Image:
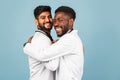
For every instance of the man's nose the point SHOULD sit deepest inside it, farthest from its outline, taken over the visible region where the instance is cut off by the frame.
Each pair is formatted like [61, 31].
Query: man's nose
[47, 19]
[55, 23]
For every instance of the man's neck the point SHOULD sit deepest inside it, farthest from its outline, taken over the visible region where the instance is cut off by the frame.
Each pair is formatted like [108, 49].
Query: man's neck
[48, 32]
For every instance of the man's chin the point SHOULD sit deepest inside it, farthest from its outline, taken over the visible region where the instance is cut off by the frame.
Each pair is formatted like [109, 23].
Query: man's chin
[48, 28]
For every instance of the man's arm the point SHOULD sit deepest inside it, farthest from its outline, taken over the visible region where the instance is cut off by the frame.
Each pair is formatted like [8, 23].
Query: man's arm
[62, 47]
[51, 64]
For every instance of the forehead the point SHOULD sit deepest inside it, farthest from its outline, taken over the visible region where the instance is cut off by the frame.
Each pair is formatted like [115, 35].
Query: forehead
[61, 15]
[46, 13]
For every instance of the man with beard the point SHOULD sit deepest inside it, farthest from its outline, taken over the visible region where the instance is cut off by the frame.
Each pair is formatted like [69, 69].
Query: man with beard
[42, 70]
[69, 47]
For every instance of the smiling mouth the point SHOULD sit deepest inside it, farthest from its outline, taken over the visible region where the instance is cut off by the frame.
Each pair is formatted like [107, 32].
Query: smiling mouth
[58, 29]
[47, 25]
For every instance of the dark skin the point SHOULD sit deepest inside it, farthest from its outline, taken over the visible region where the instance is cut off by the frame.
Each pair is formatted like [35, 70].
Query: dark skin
[30, 39]
[62, 23]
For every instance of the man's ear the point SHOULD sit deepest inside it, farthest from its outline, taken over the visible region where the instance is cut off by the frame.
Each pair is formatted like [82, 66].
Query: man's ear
[71, 21]
[36, 22]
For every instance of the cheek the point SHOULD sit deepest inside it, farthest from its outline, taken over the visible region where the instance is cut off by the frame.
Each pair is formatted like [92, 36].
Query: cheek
[41, 21]
[51, 20]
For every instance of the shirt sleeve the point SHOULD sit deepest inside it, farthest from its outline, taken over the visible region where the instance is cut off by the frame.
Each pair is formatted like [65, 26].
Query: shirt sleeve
[62, 47]
[52, 64]
[40, 41]
[49, 64]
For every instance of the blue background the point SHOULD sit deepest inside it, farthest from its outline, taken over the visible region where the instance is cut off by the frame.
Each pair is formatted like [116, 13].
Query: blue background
[98, 22]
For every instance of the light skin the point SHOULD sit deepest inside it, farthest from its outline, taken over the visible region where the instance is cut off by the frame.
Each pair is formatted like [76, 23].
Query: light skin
[43, 22]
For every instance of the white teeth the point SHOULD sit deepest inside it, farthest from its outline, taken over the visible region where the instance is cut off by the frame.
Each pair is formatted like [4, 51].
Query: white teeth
[47, 24]
[58, 28]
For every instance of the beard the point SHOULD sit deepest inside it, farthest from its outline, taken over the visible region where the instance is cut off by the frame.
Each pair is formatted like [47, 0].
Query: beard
[43, 28]
[63, 31]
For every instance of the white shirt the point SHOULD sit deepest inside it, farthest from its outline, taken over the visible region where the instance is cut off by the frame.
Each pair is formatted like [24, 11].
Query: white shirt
[69, 50]
[41, 70]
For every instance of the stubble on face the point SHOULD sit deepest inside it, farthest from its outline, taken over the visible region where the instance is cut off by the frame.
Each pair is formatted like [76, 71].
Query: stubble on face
[61, 23]
[44, 21]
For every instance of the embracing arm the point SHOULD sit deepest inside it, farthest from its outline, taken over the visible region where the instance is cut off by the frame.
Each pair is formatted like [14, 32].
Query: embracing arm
[50, 64]
[62, 47]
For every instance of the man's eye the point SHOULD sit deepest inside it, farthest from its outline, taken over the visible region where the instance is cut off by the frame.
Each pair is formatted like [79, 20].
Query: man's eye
[60, 20]
[42, 17]
[49, 16]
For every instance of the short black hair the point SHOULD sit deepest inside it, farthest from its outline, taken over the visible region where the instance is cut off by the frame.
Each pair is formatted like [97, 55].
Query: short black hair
[68, 10]
[39, 9]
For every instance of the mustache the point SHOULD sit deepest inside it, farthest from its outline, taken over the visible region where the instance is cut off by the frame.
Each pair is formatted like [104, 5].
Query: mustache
[48, 22]
[57, 27]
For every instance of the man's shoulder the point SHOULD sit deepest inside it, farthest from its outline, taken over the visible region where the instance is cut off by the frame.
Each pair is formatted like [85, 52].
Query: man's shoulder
[40, 35]
[72, 33]
[67, 36]
[40, 38]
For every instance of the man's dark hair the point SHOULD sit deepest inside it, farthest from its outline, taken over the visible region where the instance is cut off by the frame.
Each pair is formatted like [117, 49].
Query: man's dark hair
[39, 9]
[69, 11]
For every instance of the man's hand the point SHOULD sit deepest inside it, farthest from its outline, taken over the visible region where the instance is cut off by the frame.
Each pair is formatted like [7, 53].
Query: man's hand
[30, 39]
